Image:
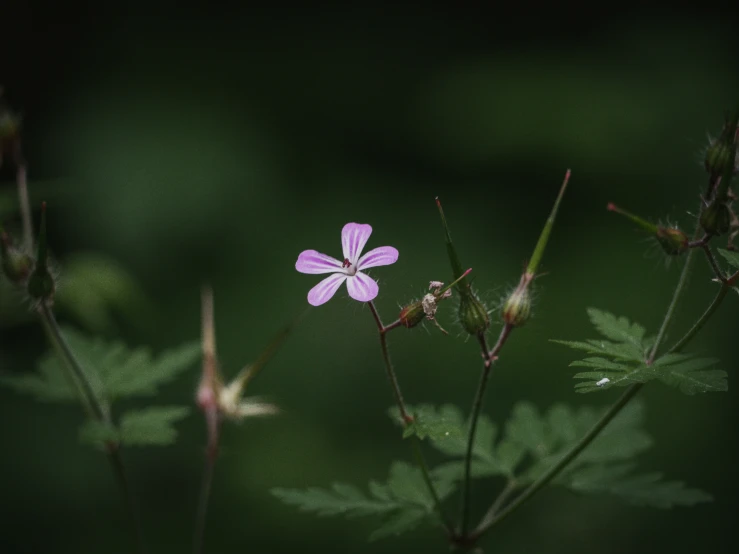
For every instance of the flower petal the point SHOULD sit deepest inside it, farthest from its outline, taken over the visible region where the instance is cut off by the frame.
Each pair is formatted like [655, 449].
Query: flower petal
[323, 291]
[353, 238]
[384, 255]
[311, 261]
[362, 287]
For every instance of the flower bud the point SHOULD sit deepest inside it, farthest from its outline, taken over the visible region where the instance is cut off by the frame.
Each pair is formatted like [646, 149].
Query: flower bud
[716, 218]
[472, 314]
[412, 314]
[16, 264]
[721, 152]
[517, 307]
[673, 241]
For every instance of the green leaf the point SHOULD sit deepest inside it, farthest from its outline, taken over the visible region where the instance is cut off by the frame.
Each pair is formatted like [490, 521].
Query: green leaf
[617, 329]
[113, 370]
[443, 424]
[731, 257]
[623, 363]
[404, 500]
[690, 374]
[52, 383]
[151, 426]
[641, 490]
[98, 433]
[97, 287]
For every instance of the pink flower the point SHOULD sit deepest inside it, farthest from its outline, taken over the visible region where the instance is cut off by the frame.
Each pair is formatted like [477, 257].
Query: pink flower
[360, 286]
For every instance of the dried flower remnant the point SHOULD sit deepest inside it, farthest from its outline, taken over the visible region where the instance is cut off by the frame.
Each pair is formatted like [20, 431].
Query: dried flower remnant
[361, 287]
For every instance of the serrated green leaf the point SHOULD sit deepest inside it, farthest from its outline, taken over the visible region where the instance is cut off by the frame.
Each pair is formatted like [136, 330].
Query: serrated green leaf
[112, 369]
[331, 502]
[618, 329]
[50, 384]
[98, 433]
[622, 439]
[624, 363]
[404, 500]
[690, 374]
[151, 426]
[731, 257]
[527, 428]
[442, 425]
[623, 351]
[640, 490]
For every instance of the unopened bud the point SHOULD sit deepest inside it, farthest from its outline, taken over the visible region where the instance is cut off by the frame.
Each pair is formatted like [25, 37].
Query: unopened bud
[721, 152]
[412, 314]
[673, 241]
[16, 265]
[472, 315]
[716, 218]
[517, 307]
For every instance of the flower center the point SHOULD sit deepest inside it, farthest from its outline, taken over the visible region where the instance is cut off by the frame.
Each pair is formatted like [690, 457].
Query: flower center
[351, 269]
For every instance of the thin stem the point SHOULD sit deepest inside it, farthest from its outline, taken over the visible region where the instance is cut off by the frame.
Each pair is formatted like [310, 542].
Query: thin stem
[407, 419]
[488, 358]
[114, 455]
[714, 264]
[392, 377]
[205, 488]
[80, 376]
[698, 325]
[679, 289]
[492, 519]
[97, 411]
[504, 495]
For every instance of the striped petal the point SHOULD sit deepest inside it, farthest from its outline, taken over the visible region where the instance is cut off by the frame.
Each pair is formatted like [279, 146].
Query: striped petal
[311, 261]
[353, 238]
[384, 255]
[362, 287]
[324, 291]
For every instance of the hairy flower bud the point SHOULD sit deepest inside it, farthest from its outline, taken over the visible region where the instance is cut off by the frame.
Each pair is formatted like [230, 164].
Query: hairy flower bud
[16, 264]
[412, 314]
[716, 218]
[472, 315]
[673, 241]
[517, 307]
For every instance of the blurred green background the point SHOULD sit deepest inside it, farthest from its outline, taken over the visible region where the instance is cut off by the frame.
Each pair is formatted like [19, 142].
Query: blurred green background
[188, 146]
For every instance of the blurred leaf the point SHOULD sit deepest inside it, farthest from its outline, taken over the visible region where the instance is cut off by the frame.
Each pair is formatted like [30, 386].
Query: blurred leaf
[94, 287]
[640, 490]
[731, 257]
[112, 369]
[97, 433]
[404, 500]
[151, 426]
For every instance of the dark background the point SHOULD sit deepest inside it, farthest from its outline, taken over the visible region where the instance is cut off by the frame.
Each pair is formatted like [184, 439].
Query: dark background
[187, 145]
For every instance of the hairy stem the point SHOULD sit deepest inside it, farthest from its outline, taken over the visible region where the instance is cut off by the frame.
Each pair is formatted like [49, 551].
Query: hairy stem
[407, 419]
[713, 263]
[488, 357]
